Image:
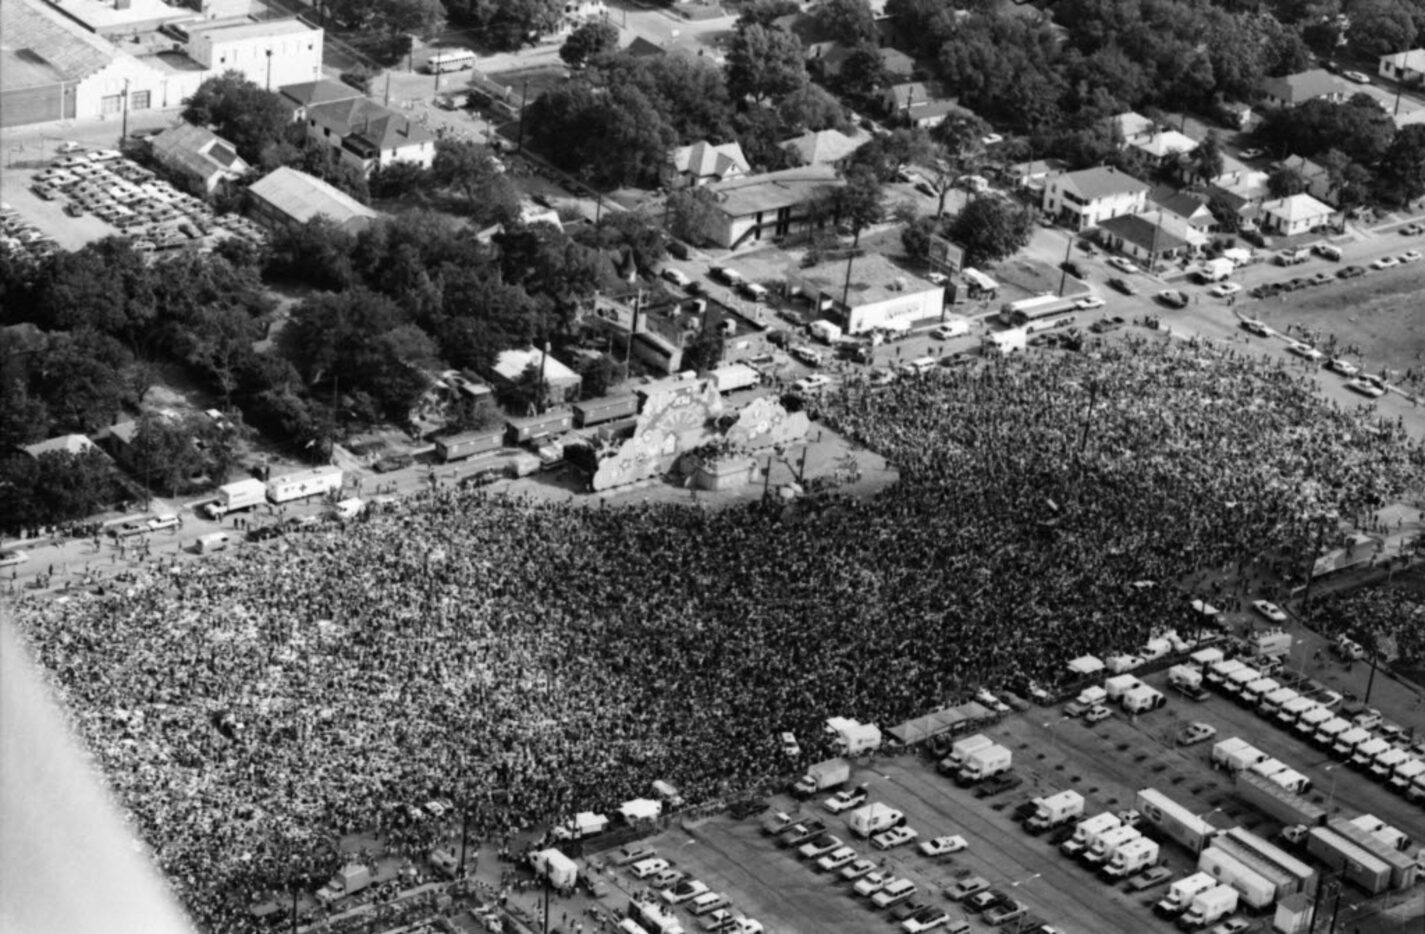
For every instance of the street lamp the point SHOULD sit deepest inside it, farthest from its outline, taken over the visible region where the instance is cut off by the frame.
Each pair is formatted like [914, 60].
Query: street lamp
[1019, 926]
[124, 131]
[269, 69]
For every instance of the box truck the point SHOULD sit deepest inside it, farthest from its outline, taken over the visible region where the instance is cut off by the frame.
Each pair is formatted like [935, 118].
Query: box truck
[1181, 893]
[584, 824]
[1142, 699]
[1405, 773]
[822, 776]
[984, 763]
[1055, 811]
[1187, 681]
[1088, 831]
[1131, 857]
[735, 376]
[349, 880]
[1311, 720]
[1232, 868]
[1119, 685]
[1174, 821]
[235, 497]
[1346, 743]
[1327, 732]
[1292, 781]
[1367, 751]
[1238, 680]
[1292, 709]
[1218, 672]
[1253, 693]
[553, 865]
[1210, 907]
[1235, 754]
[1270, 703]
[1386, 762]
[1267, 767]
[317, 481]
[1005, 342]
[960, 751]
[1203, 658]
[215, 541]
[874, 818]
[1108, 843]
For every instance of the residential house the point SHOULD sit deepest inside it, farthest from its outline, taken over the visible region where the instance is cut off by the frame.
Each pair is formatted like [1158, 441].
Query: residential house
[827, 59]
[1032, 175]
[1316, 176]
[306, 94]
[367, 136]
[642, 48]
[879, 294]
[512, 365]
[530, 213]
[1190, 211]
[823, 147]
[1131, 127]
[1297, 214]
[1405, 67]
[286, 197]
[69, 444]
[1162, 147]
[1146, 237]
[1297, 89]
[1089, 197]
[702, 162]
[773, 204]
[199, 156]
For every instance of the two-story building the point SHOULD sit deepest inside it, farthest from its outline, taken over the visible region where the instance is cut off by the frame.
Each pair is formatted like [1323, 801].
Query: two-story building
[1088, 197]
[367, 135]
[874, 294]
[772, 204]
[1316, 176]
[269, 54]
[702, 163]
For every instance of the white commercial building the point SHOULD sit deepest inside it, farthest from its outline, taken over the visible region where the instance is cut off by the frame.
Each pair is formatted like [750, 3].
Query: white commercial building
[269, 54]
[880, 294]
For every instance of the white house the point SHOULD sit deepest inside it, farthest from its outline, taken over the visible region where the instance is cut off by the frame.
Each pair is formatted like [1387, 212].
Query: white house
[1089, 197]
[769, 205]
[1297, 214]
[703, 162]
[199, 155]
[1405, 67]
[512, 365]
[367, 135]
[1303, 86]
[1163, 146]
[879, 294]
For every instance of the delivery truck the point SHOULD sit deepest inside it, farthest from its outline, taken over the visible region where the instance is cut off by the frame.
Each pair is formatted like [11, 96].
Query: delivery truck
[582, 825]
[1253, 693]
[1235, 754]
[1237, 682]
[733, 377]
[1366, 752]
[1210, 907]
[560, 870]
[1346, 743]
[1087, 833]
[1187, 681]
[1267, 767]
[318, 481]
[874, 818]
[1005, 342]
[1119, 685]
[823, 776]
[1142, 699]
[1327, 732]
[1291, 709]
[1271, 703]
[1174, 821]
[1234, 869]
[1055, 811]
[1407, 774]
[1181, 893]
[960, 751]
[1217, 673]
[604, 410]
[236, 497]
[1203, 658]
[985, 763]
[1310, 720]
[1292, 780]
[349, 880]
[1386, 762]
[1131, 857]
[1108, 843]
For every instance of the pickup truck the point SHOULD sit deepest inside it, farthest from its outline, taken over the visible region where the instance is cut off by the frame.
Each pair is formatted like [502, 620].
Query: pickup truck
[802, 833]
[1004, 781]
[1149, 878]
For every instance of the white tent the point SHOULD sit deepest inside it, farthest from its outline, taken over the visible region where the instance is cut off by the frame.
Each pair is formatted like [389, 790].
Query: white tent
[640, 809]
[1086, 665]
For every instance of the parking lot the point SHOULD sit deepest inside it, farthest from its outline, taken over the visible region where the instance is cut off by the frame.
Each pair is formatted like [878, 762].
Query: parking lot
[1106, 763]
[81, 196]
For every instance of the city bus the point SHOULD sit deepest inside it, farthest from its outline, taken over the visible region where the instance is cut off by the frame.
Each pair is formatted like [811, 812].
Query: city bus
[451, 60]
[1035, 313]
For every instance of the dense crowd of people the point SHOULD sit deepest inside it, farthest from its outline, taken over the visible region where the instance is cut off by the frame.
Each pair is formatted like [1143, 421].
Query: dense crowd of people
[530, 660]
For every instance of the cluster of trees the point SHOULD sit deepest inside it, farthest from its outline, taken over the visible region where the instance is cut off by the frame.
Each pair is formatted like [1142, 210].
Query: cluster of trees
[383, 29]
[1355, 141]
[616, 121]
[990, 228]
[506, 24]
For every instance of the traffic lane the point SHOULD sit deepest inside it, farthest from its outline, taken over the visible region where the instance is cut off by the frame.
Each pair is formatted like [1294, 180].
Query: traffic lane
[1055, 888]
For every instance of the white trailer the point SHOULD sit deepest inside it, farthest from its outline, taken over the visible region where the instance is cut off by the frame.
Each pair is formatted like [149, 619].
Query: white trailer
[551, 864]
[1173, 820]
[1256, 889]
[1119, 685]
[1142, 699]
[986, 763]
[873, 818]
[304, 483]
[1187, 679]
[1131, 857]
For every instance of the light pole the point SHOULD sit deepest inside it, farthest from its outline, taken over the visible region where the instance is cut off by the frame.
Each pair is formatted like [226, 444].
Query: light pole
[1024, 915]
[269, 69]
[124, 130]
[1331, 796]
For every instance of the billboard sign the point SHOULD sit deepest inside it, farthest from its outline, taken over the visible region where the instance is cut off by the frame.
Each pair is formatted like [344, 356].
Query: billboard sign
[945, 256]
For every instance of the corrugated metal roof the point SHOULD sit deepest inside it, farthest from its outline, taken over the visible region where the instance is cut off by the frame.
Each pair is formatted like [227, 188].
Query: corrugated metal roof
[28, 32]
[302, 197]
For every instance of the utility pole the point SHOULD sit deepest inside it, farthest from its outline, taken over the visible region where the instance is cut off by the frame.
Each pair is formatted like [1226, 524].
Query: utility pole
[1064, 269]
[269, 69]
[1321, 521]
[124, 131]
[846, 285]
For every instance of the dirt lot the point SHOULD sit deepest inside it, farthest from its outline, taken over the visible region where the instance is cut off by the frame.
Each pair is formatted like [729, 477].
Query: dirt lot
[1382, 313]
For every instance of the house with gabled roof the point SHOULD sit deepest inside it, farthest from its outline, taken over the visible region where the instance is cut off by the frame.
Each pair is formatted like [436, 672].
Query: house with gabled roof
[1189, 209]
[311, 93]
[68, 444]
[772, 204]
[823, 147]
[703, 162]
[1297, 89]
[1147, 237]
[368, 135]
[199, 155]
[1316, 176]
[1089, 197]
[1405, 67]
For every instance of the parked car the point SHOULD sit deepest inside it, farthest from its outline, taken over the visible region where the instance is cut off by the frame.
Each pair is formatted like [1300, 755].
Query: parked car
[1366, 388]
[943, 846]
[1270, 610]
[894, 837]
[1105, 325]
[1253, 326]
[1196, 732]
[1342, 366]
[1410, 256]
[846, 800]
[836, 859]
[684, 891]
[1385, 262]
[13, 556]
[967, 888]
[1357, 76]
[1096, 713]
[1122, 286]
[1224, 289]
[1173, 298]
[1350, 272]
[677, 277]
[811, 385]
[1121, 264]
[1089, 303]
[857, 869]
[984, 901]
[807, 355]
[1305, 351]
[1006, 911]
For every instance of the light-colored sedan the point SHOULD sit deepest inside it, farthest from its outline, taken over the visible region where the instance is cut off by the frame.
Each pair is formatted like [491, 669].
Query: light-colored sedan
[872, 882]
[1121, 264]
[1305, 351]
[837, 858]
[1366, 388]
[13, 557]
[1224, 289]
[1359, 77]
[683, 891]
[1410, 256]
[1343, 366]
[857, 869]
[1270, 610]
[942, 846]
[1096, 713]
[819, 847]
[1089, 303]
[894, 837]
[1385, 262]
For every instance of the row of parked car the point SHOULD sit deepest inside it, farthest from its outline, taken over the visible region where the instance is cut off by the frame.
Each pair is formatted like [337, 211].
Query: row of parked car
[135, 201]
[675, 888]
[22, 240]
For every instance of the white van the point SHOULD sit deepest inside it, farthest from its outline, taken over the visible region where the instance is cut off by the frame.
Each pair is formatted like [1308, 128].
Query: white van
[1327, 250]
[919, 365]
[752, 290]
[217, 541]
[349, 508]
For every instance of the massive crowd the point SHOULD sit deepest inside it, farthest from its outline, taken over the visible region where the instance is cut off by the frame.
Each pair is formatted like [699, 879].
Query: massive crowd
[533, 660]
